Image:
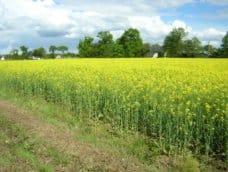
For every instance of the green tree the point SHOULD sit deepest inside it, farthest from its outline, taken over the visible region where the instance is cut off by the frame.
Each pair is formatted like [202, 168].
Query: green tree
[132, 43]
[14, 54]
[210, 50]
[52, 50]
[86, 47]
[105, 45]
[62, 48]
[39, 52]
[118, 50]
[24, 51]
[146, 50]
[191, 47]
[173, 42]
[219, 53]
[188, 48]
[225, 45]
[197, 45]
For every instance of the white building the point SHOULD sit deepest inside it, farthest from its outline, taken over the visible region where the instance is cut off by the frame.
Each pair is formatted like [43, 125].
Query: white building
[155, 55]
[35, 58]
[58, 57]
[2, 58]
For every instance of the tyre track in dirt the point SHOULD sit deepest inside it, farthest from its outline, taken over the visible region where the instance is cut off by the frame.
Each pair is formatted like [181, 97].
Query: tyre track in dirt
[63, 140]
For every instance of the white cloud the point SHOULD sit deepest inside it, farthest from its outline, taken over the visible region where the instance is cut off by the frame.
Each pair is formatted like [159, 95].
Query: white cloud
[218, 2]
[152, 28]
[179, 23]
[172, 3]
[128, 5]
[210, 35]
[43, 10]
[44, 22]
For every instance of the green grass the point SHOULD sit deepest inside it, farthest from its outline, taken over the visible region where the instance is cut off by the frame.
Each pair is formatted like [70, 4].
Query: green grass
[21, 151]
[87, 131]
[121, 143]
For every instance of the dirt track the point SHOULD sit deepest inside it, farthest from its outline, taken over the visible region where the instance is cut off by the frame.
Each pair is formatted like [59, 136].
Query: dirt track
[63, 139]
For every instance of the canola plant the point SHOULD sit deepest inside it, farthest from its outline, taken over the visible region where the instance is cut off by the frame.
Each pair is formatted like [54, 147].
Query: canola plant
[181, 103]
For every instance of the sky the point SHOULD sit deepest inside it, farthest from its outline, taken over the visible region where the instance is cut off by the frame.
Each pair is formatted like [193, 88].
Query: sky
[41, 23]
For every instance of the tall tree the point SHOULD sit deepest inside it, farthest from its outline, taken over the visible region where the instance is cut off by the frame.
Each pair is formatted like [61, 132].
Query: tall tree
[52, 50]
[24, 51]
[188, 48]
[62, 48]
[210, 50]
[146, 50]
[191, 47]
[174, 41]
[118, 50]
[225, 45]
[14, 54]
[39, 52]
[132, 43]
[197, 45]
[105, 45]
[86, 47]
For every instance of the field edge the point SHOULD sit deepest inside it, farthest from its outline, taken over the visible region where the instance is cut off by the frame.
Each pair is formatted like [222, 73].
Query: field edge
[121, 139]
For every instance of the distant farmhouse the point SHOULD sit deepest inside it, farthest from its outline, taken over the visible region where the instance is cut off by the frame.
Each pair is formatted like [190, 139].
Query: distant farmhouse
[3, 58]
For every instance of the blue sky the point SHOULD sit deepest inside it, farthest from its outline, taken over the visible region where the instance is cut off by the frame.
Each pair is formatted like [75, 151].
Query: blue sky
[37, 23]
[200, 15]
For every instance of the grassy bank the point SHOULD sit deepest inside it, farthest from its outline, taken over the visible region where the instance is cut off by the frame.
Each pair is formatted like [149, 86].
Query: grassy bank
[123, 144]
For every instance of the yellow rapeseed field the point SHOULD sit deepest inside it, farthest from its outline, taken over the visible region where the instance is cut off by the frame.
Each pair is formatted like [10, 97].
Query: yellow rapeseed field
[180, 102]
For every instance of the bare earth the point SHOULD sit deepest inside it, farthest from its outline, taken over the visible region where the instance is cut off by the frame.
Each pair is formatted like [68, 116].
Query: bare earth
[64, 141]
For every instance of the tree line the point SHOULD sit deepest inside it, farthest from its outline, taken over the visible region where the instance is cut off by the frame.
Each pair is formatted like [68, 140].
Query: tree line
[41, 52]
[129, 44]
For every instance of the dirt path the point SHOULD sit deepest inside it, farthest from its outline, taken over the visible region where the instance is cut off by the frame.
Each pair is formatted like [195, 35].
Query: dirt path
[64, 141]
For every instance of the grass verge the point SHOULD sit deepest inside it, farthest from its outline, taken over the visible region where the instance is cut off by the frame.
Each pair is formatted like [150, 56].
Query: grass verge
[23, 151]
[120, 143]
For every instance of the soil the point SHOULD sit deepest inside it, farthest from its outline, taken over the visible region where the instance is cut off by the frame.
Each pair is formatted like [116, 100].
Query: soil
[63, 140]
